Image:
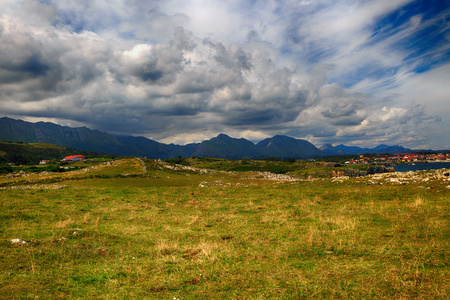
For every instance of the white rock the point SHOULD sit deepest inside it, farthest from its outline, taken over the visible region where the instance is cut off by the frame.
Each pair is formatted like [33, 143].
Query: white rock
[15, 241]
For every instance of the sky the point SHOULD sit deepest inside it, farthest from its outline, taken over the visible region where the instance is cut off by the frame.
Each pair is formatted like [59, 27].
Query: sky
[350, 72]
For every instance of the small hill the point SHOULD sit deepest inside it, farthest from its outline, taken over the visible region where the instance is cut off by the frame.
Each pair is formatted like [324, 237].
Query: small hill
[31, 154]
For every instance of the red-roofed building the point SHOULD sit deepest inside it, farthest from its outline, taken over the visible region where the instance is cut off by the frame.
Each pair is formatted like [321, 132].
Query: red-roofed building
[74, 158]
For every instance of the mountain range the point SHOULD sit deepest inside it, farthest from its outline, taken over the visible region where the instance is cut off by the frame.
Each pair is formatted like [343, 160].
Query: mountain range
[328, 149]
[222, 146]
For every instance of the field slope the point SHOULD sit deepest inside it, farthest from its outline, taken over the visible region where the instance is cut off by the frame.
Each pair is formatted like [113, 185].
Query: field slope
[146, 229]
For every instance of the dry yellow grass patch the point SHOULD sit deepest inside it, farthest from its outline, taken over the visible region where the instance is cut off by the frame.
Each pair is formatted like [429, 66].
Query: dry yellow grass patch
[311, 236]
[86, 217]
[418, 201]
[194, 220]
[206, 251]
[165, 246]
[339, 222]
[63, 224]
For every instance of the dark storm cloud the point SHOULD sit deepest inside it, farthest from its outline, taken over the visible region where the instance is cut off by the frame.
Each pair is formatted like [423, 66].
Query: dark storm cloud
[32, 65]
[342, 108]
[256, 118]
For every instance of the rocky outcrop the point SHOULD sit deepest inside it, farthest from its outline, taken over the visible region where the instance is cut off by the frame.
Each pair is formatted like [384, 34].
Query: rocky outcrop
[380, 169]
[359, 173]
[442, 175]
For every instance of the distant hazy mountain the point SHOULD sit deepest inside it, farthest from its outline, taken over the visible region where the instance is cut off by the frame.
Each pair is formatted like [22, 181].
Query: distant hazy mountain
[391, 149]
[222, 146]
[328, 149]
[354, 150]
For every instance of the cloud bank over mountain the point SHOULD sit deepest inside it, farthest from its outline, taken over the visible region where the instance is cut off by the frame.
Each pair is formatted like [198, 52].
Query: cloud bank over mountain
[364, 72]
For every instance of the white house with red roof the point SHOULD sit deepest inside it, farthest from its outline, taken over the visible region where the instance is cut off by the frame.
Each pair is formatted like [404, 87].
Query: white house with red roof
[73, 158]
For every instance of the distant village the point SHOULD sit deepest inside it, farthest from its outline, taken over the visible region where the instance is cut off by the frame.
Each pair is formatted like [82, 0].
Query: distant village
[401, 158]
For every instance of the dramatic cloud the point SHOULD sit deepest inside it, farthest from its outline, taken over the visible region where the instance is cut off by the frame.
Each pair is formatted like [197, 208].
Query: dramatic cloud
[353, 72]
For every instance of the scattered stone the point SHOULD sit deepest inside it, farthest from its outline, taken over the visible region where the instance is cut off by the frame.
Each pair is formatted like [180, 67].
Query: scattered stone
[279, 177]
[177, 167]
[215, 183]
[17, 241]
[144, 166]
[35, 186]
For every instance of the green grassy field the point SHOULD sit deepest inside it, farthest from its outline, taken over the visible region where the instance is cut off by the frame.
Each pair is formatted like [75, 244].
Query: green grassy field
[136, 229]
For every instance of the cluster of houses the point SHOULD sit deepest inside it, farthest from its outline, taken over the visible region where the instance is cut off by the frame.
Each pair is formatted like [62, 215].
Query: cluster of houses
[67, 159]
[400, 158]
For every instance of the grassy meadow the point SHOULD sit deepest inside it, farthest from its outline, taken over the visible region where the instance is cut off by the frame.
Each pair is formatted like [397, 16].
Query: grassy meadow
[143, 229]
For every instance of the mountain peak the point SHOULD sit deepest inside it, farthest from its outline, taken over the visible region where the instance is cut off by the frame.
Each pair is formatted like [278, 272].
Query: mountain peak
[326, 146]
[224, 146]
[283, 137]
[223, 136]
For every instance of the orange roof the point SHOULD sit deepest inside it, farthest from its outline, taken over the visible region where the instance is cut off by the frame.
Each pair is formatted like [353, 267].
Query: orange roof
[74, 156]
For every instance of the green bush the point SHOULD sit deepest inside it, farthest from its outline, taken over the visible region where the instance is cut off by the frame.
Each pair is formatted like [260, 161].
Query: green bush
[277, 170]
[53, 168]
[4, 168]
